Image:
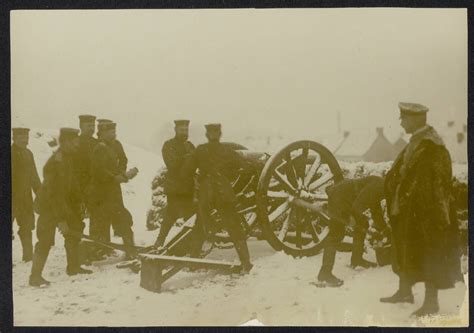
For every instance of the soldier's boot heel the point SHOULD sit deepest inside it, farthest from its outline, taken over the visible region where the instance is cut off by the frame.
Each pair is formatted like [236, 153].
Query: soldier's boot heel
[430, 303]
[39, 261]
[327, 279]
[38, 281]
[244, 256]
[399, 297]
[361, 262]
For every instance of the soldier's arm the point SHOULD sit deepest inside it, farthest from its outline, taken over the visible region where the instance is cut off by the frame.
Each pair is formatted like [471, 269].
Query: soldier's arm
[363, 202]
[35, 179]
[123, 160]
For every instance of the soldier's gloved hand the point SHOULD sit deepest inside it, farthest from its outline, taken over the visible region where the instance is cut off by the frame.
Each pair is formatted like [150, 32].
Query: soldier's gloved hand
[120, 179]
[63, 228]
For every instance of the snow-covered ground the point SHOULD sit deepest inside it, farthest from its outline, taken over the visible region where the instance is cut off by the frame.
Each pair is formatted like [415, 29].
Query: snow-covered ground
[277, 292]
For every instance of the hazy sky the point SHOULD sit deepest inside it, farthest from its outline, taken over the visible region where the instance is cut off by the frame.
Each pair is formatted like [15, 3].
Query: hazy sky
[256, 71]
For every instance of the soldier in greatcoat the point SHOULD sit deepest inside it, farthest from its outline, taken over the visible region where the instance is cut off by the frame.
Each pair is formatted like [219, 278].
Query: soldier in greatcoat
[106, 199]
[178, 189]
[424, 226]
[348, 200]
[25, 179]
[215, 161]
[59, 205]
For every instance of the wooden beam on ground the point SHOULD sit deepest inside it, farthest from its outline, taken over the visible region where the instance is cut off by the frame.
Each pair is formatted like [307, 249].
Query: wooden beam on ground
[152, 266]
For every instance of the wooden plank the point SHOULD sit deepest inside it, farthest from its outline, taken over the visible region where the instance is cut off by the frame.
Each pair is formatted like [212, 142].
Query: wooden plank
[188, 262]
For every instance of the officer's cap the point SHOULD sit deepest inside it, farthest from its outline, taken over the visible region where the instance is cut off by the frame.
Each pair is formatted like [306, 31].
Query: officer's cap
[86, 118]
[20, 130]
[181, 122]
[412, 108]
[213, 127]
[67, 133]
[105, 126]
[100, 121]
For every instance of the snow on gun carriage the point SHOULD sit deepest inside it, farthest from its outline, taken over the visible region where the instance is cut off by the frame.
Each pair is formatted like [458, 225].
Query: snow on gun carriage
[285, 199]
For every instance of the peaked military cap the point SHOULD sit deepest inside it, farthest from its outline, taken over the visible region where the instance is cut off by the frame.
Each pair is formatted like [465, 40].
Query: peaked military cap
[100, 121]
[105, 126]
[412, 108]
[181, 122]
[86, 118]
[20, 130]
[67, 133]
[213, 127]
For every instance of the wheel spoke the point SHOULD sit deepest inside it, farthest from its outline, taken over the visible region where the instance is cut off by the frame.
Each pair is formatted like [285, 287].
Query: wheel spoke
[284, 229]
[247, 210]
[290, 171]
[300, 164]
[294, 217]
[284, 181]
[274, 194]
[321, 181]
[279, 211]
[312, 170]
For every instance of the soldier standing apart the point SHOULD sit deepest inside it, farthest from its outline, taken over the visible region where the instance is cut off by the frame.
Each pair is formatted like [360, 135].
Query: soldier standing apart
[59, 205]
[214, 162]
[424, 229]
[347, 202]
[106, 199]
[178, 189]
[24, 179]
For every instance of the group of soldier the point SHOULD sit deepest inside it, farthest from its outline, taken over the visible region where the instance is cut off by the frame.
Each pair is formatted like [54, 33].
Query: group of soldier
[82, 178]
[85, 175]
[210, 189]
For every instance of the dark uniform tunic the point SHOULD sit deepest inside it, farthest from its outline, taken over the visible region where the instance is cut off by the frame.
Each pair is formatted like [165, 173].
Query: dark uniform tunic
[178, 189]
[59, 201]
[24, 179]
[424, 224]
[122, 157]
[84, 156]
[105, 196]
[216, 163]
[352, 197]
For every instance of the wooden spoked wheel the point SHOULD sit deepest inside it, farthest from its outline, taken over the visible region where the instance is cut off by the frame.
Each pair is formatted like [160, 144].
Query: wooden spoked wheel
[302, 171]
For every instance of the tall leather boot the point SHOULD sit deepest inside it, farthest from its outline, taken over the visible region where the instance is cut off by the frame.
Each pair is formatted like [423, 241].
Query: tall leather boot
[357, 259]
[26, 244]
[325, 276]
[72, 256]
[128, 239]
[430, 304]
[402, 295]
[244, 256]
[39, 260]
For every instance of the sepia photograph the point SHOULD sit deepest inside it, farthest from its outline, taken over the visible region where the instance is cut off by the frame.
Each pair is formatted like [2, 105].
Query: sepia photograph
[229, 167]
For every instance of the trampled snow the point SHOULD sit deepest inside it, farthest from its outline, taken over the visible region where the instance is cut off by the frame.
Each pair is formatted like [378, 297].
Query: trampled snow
[276, 292]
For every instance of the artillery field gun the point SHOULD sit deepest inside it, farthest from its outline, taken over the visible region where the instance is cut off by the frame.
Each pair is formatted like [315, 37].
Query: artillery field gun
[285, 198]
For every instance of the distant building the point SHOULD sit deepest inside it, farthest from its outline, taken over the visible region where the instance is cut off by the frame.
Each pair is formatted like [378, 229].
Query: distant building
[368, 147]
[399, 144]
